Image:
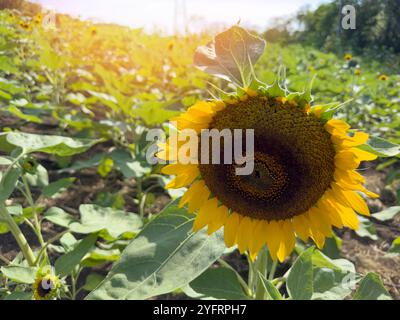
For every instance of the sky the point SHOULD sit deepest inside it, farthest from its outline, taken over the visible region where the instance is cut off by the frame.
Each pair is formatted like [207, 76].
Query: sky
[172, 15]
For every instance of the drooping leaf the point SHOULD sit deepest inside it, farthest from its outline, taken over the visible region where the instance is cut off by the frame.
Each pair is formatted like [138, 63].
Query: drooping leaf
[231, 55]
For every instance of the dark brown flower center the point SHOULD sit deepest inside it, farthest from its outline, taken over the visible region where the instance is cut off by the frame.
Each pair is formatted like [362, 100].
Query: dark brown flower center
[293, 160]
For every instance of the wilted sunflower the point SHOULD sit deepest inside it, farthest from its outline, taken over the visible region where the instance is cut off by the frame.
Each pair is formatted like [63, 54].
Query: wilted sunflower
[46, 287]
[304, 180]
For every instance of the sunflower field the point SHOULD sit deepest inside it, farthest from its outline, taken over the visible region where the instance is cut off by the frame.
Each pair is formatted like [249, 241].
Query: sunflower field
[84, 214]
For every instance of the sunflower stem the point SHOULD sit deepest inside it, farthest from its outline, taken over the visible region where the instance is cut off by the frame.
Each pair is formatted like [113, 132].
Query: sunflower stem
[273, 269]
[260, 266]
[18, 235]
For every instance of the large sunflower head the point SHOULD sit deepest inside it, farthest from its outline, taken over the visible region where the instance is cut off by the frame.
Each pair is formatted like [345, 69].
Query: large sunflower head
[304, 180]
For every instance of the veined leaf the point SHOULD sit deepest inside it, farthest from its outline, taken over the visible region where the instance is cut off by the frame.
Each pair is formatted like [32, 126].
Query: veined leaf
[164, 256]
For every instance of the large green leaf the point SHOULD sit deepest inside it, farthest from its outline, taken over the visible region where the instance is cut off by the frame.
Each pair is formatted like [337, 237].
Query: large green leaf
[20, 274]
[219, 283]
[371, 288]
[300, 279]
[95, 219]
[231, 55]
[57, 145]
[165, 256]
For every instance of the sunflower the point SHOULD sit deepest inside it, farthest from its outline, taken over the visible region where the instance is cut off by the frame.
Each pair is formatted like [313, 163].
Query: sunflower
[383, 77]
[348, 57]
[46, 287]
[304, 180]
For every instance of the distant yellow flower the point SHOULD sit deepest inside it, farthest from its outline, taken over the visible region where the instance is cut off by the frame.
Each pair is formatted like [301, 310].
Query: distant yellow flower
[348, 57]
[357, 72]
[304, 180]
[383, 77]
[311, 69]
[38, 19]
[46, 287]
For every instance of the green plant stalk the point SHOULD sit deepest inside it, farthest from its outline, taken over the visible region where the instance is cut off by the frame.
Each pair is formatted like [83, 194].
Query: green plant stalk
[273, 269]
[250, 277]
[18, 235]
[35, 216]
[260, 266]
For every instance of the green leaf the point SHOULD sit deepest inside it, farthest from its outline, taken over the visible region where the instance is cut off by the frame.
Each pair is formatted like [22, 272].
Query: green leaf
[164, 256]
[8, 183]
[395, 247]
[92, 281]
[60, 217]
[381, 147]
[219, 283]
[231, 55]
[387, 214]
[95, 219]
[333, 279]
[105, 167]
[300, 279]
[155, 112]
[39, 179]
[367, 229]
[271, 291]
[371, 288]
[57, 187]
[20, 274]
[57, 145]
[65, 264]
[19, 295]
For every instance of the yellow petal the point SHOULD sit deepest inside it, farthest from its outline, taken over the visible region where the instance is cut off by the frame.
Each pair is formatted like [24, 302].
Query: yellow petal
[348, 216]
[218, 220]
[358, 139]
[196, 195]
[301, 226]
[326, 205]
[363, 155]
[350, 199]
[205, 214]
[358, 187]
[288, 240]
[245, 232]
[258, 239]
[338, 125]
[231, 229]
[273, 233]
[346, 160]
[319, 218]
